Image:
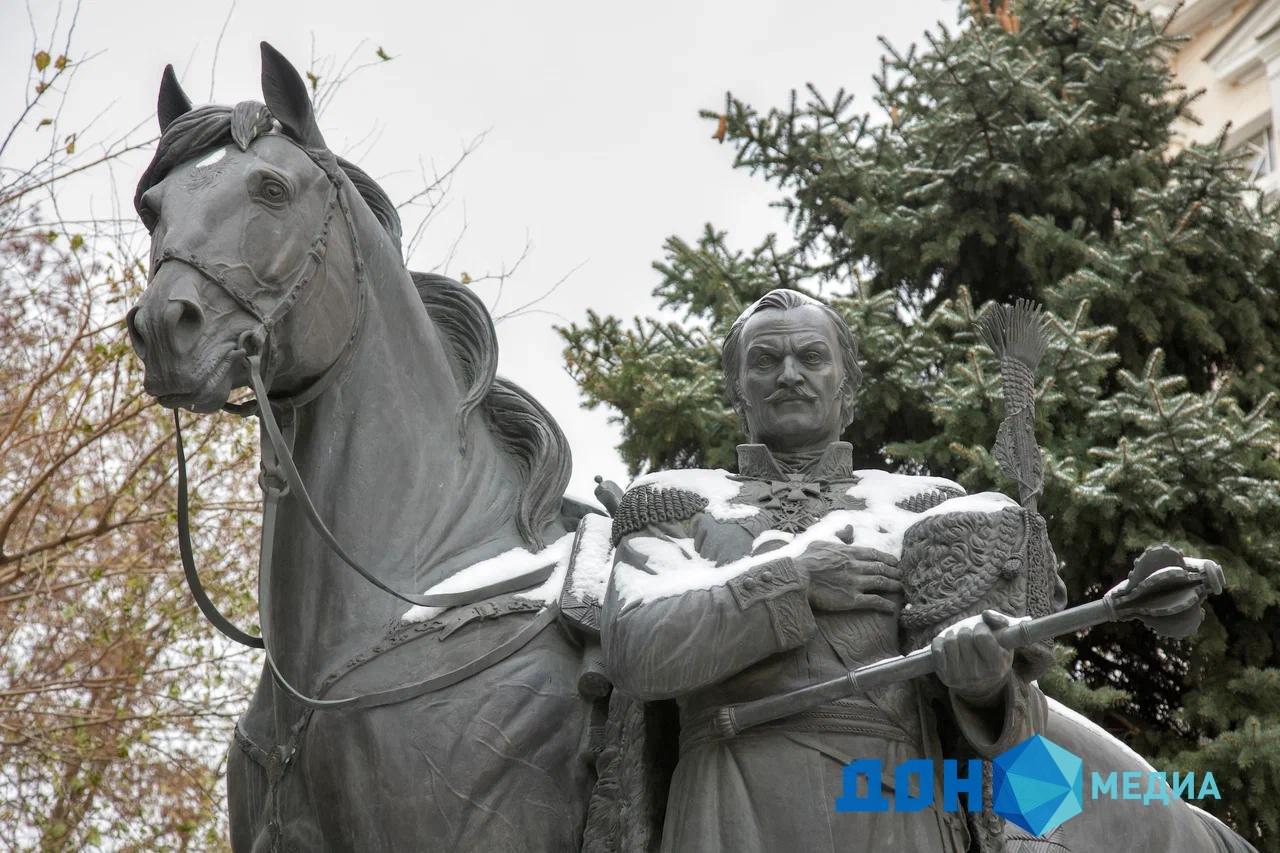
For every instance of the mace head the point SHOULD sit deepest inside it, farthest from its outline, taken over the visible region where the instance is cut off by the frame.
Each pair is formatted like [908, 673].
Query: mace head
[1166, 589]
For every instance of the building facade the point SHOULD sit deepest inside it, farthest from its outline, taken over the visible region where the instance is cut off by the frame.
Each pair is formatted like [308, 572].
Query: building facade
[1233, 54]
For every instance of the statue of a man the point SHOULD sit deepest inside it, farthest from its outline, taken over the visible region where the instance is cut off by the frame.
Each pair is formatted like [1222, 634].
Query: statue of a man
[701, 611]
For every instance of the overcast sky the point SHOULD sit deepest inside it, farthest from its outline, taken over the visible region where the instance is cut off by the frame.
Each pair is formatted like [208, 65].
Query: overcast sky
[594, 150]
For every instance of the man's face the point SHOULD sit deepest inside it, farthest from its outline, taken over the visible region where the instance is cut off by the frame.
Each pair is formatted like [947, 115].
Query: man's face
[791, 374]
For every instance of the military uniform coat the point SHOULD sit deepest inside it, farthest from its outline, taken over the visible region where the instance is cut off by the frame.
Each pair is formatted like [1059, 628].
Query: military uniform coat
[705, 606]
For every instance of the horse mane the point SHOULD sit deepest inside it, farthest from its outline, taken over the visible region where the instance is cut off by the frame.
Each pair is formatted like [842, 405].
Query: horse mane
[522, 426]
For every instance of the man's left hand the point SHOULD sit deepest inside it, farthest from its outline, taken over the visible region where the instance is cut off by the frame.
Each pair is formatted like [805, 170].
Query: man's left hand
[970, 662]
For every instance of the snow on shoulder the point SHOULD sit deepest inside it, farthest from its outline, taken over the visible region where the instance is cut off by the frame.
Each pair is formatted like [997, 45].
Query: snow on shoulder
[883, 523]
[673, 567]
[714, 484]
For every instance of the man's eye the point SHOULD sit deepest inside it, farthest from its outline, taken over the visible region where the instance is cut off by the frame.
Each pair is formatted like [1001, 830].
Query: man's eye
[813, 358]
[765, 361]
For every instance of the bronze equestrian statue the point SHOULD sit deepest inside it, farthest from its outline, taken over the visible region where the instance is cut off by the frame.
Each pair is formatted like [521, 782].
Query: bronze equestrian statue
[442, 629]
[418, 692]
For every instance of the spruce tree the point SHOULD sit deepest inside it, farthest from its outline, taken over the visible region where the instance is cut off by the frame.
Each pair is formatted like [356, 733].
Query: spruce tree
[1027, 152]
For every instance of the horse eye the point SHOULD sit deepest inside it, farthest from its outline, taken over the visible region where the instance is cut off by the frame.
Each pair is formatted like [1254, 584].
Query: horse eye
[272, 191]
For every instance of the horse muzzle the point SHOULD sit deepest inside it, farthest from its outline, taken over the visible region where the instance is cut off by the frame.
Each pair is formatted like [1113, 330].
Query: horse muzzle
[189, 364]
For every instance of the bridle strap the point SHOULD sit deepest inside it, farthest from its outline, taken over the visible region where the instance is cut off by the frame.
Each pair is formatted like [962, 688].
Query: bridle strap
[269, 317]
[207, 607]
[319, 250]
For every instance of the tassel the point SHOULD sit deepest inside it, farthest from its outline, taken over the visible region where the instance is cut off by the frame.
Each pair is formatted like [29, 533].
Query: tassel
[1016, 331]
[1016, 334]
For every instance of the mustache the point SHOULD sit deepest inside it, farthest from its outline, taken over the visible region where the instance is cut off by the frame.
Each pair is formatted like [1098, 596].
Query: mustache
[797, 393]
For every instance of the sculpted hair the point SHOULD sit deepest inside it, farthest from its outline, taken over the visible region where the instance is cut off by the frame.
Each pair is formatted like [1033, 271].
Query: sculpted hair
[522, 426]
[782, 300]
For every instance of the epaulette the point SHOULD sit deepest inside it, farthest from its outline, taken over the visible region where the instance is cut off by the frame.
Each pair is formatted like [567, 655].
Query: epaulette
[928, 500]
[651, 504]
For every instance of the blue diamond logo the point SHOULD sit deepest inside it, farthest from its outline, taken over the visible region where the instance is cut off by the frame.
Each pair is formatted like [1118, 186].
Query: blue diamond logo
[1038, 785]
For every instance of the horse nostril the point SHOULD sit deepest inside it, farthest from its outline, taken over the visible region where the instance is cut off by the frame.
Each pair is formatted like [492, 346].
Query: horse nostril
[184, 320]
[135, 333]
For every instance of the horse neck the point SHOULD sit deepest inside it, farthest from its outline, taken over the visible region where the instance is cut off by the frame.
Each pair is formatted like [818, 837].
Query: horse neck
[380, 455]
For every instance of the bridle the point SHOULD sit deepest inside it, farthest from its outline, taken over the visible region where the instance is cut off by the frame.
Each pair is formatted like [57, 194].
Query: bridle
[279, 475]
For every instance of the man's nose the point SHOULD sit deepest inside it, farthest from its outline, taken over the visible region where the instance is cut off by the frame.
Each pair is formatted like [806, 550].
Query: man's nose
[169, 317]
[791, 375]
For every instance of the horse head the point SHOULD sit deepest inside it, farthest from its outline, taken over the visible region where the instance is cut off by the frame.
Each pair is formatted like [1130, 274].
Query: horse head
[252, 246]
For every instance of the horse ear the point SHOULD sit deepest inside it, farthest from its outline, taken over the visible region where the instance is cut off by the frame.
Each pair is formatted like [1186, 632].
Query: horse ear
[286, 96]
[172, 101]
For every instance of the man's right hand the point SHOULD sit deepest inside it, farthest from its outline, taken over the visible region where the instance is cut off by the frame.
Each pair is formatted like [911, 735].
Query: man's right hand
[843, 576]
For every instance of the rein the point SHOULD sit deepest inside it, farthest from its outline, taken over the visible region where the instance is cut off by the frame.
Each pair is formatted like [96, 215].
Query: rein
[280, 478]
